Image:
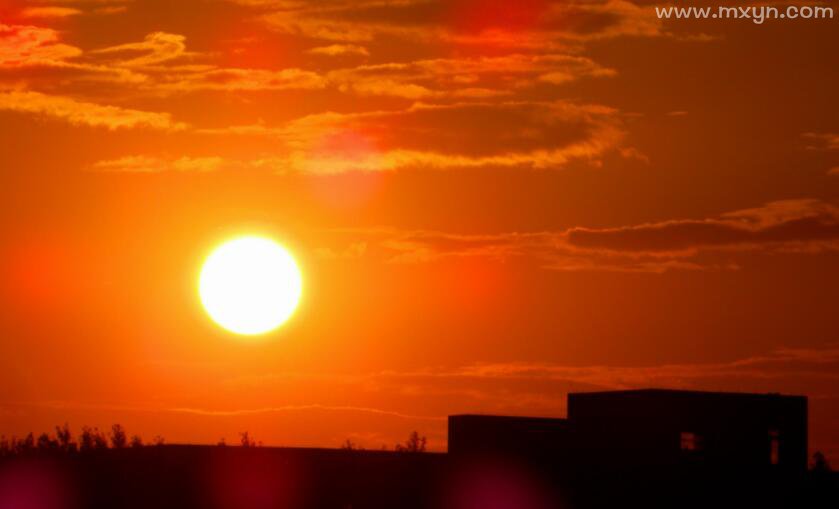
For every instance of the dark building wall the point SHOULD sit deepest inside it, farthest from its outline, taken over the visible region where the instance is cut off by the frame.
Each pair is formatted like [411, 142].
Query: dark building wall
[727, 429]
[625, 429]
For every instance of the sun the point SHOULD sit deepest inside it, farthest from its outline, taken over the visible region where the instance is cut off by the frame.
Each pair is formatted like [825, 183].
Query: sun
[250, 285]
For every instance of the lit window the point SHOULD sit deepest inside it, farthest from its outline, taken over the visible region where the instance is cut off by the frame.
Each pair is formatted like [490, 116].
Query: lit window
[690, 441]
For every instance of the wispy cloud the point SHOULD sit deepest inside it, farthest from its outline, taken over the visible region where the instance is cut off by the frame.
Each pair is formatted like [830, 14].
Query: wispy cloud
[168, 68]
[146, 164]
[50, 12]
[802, 226]
[162, 64]
[156, 48]
[515, 387]
[821, 141]
[516, 26]
[26, 48]
[85, 113]
[546, 135]
[335, 50]
[33, 46]
[784, 363]
[236, 79]
[464, 77]
[303, 408]
[779, 223]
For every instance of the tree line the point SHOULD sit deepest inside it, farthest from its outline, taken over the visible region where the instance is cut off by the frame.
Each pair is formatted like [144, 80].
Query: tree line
[63, 441]
[93, 439]
[414, 443]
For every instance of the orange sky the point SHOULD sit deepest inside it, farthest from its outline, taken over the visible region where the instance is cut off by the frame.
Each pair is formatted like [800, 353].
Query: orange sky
[494, 203]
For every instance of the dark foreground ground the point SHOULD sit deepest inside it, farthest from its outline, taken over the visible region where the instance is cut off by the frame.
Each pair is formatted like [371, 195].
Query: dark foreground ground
[187, 477]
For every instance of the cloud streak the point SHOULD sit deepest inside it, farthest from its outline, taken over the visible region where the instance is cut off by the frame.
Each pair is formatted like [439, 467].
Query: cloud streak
[821, 141]
[547, 135]
[85, 113]
[146, 164]
[513, 386]
[802, 226]
[22, 46]
[304, 408]
[156, 48]
[464, 77]
[335, 50]
[778, 223]
[460, 21]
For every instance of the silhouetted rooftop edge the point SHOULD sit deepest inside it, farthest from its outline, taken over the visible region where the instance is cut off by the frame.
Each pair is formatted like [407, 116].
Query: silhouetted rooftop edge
[654, 390]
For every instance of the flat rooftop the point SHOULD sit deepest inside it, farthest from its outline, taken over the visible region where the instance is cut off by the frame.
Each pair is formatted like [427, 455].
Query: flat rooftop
[689, 393]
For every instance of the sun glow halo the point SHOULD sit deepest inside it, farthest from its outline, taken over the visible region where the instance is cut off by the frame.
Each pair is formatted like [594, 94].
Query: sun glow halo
[250, 285]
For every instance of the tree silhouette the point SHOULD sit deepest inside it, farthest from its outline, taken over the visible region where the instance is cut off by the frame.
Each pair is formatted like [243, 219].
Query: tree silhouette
[415, 443]
[100, 441]
[25, 446]
[47, 444]
[119, 440]
[92, 439]
[86, 439]
[65, 438]
[247, 441]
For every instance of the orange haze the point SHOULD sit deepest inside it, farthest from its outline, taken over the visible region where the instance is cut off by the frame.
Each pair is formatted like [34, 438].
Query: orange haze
[493, 203]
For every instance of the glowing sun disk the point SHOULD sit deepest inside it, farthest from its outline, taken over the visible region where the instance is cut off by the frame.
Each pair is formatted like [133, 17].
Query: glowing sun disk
[250, 285]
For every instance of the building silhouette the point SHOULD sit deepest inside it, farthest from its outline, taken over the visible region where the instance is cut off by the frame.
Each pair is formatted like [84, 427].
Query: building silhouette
[649, 428]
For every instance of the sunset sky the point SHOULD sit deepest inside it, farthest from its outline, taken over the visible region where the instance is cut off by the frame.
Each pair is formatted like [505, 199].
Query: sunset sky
[492, 204]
